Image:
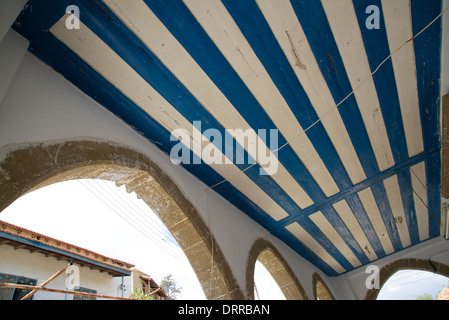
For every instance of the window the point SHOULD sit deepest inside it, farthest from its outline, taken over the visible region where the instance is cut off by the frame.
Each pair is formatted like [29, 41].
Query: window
[11, 293]
[82, 289]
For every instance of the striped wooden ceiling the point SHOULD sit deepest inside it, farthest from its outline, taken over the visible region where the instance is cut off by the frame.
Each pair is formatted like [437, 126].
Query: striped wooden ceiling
[354, 101]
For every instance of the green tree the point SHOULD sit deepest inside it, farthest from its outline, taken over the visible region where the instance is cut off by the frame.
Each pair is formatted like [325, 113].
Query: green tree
[425, 296]
[428, 296]
[170, 286]
[138, 294]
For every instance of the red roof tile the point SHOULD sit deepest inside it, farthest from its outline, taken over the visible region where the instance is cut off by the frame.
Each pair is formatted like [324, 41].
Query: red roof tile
[61, 245]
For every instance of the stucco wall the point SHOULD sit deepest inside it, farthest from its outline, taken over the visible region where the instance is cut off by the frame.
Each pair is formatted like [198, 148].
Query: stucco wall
[34, 265]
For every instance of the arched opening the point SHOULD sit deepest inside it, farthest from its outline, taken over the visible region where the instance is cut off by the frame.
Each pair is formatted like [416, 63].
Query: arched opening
[100, 216]
[413, 285]
[265, 286]
[406, 264]
[320, 289]
[266, 254]
[30, 167]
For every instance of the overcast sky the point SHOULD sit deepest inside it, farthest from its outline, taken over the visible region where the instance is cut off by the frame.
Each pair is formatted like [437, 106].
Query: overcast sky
[101, 217]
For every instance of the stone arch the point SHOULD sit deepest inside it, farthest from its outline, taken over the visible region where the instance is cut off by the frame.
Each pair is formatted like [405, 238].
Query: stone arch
[320, 289]
[32, 166]
[408, 263]
[270, 257]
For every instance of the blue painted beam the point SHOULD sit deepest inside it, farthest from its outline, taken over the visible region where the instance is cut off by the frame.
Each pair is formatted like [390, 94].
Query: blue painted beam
[357, 187]
[428, 48]
[323, 45]
[258, 33]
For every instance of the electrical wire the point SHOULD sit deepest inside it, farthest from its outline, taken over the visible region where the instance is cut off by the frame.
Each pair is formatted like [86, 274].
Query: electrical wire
[160, 234]
[256, 292]
[155, 239]
[415, 273]
[411, 282]
[146, 231]
[116, 205]
[153, 222]
[325, 115]
[87, 183]
[410, 184]
[149, 218]
[344, 99]
[212, 243]
[115, 209]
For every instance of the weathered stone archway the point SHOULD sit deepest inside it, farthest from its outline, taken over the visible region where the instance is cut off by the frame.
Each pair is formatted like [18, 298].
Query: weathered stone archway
[270, 257]
[320, 289]
[31, 166]
[408, 263]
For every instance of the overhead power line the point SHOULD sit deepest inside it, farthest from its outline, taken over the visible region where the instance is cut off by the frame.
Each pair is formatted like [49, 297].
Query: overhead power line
[153, 226]
[117, 207]
[154, 221]
[411, 282]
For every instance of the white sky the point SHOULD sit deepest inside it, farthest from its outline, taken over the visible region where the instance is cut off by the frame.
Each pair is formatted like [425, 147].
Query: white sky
[408, 284]
[91, 214]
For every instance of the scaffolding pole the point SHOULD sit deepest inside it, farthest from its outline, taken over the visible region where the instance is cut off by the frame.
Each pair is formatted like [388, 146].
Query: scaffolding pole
[85, 294]
[36, 289]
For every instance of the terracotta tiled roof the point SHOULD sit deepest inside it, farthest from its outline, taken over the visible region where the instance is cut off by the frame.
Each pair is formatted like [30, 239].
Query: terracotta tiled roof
[153, 283]
[444, 294]
[39, 242]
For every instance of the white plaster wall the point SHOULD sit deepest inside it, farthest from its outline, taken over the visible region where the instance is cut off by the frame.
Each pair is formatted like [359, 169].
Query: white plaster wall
[12, 50]
[40, 105]
[34, 265]
[127, 286]
[9, 10]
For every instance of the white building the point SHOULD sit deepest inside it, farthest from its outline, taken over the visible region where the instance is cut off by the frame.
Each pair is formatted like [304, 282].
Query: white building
[30, 258]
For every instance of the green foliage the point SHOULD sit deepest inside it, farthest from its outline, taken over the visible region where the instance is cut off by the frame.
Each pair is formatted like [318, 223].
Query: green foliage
[170, 287]
[428, 296]
[425, 296]
[138, 294]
